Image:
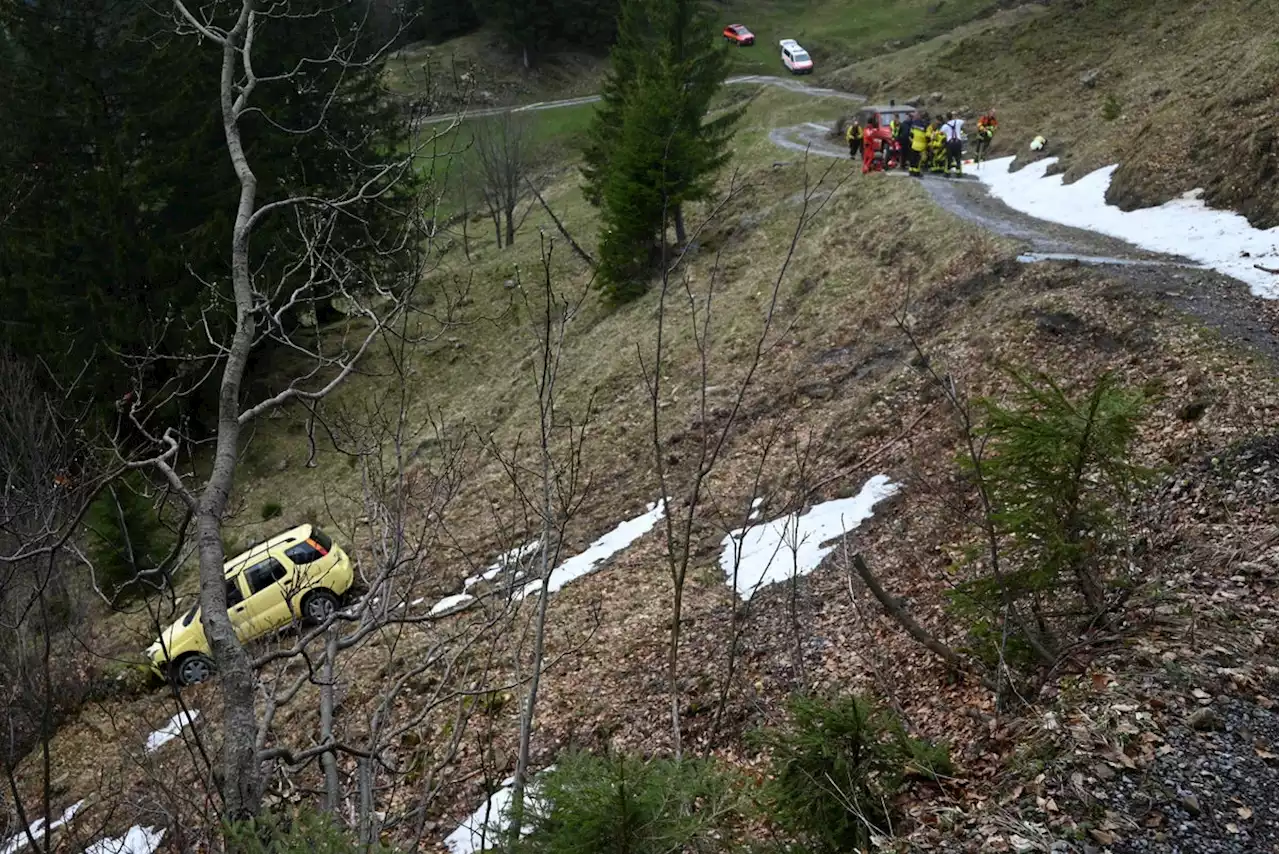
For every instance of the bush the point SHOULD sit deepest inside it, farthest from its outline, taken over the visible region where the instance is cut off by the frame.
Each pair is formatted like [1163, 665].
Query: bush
[1056, 470]
[302, 831]
[623, 804]
[1111, 108]
[837, 767]
[126, 535]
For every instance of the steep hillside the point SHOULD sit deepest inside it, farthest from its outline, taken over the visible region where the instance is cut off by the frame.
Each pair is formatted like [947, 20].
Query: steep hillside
[878, 316]
[1182, 94]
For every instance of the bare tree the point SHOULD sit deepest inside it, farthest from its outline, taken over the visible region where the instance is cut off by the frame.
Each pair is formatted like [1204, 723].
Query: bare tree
[504, 152]
[324, 270]
[679, 300]
[551, 488]
[45, 486]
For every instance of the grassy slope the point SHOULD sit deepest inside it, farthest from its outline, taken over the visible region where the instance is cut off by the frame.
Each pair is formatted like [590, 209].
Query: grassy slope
[836, 301]
[477, 68]
[1193, 83]
[449, 156]
[479, 381]
[837, 32]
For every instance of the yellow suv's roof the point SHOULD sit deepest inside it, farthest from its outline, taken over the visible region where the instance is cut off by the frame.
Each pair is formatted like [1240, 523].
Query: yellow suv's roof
[293, 535]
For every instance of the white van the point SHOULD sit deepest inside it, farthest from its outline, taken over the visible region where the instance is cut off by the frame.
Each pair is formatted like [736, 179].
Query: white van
[795, 58]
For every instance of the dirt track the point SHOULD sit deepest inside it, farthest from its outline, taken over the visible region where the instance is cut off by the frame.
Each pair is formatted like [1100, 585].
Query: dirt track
[790, 84]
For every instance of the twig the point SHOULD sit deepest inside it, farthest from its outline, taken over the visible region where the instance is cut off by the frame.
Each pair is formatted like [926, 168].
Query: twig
[902, 617]
[573, 244]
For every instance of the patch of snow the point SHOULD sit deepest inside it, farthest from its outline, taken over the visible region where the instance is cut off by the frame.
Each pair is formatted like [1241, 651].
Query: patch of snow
[598, 552]
[22, 840]
[171, 730]
[488, 824]
[755, 509]
[451, 603]
[416, 602]
[484, 826]
[504, 561]
[772, 552]
[138, 840]
[1033, 257]
[1221, 240]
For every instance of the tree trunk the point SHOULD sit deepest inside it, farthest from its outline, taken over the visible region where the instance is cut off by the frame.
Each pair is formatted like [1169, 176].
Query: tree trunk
[332, 791]
[367, 830]
[673, 663]
[241, 778]
[546, 402]
[678, 216]
[511, 221]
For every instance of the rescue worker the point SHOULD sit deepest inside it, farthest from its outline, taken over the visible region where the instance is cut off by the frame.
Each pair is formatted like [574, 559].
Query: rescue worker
[937, 156]
[919, 145]
[987, 125]
[869, 134]
[903, 136]
[853, 136]
[953, 143]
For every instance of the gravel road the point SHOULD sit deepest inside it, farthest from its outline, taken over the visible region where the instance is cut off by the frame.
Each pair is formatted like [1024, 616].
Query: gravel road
[1217, 301]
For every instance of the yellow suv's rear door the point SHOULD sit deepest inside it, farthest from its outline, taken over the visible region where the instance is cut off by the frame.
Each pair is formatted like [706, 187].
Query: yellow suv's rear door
[268, 607]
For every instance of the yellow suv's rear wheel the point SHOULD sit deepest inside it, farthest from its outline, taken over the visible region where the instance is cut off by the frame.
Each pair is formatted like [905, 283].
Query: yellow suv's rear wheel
[192, 669]
[318, 606]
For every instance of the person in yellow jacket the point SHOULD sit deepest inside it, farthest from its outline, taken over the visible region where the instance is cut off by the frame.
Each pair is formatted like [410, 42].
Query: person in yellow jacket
[937, 149]
[919, 145]
[853, 136]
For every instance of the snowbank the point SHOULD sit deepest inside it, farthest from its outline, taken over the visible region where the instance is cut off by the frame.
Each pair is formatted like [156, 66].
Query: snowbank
[1185, 226]
[171, 730]
[452, 603]
[506, 560]
[487, 826]
[772, 552]
[22, 840]
[598, 552]
[138, 840]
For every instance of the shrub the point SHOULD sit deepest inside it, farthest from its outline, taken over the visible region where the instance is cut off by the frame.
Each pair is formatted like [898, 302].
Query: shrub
[837, 767]
[622, 803]
[126, 535]
[301, 831]
[271, 510]
[1111, 108]
[1056, 469]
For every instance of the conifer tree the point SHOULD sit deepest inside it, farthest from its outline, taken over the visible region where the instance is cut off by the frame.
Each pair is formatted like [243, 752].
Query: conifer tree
[653, 148]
